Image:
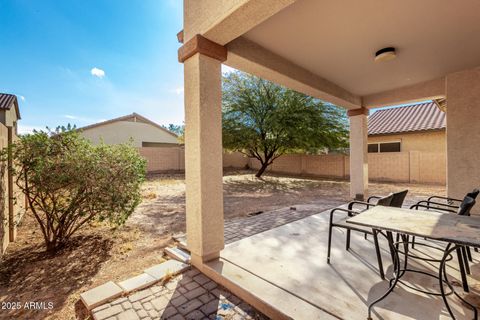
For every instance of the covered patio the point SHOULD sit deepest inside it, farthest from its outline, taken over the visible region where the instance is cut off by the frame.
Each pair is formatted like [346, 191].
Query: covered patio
[285, 269]
[325, 49]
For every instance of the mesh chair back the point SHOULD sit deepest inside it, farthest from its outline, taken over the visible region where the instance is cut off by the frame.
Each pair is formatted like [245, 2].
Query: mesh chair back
[466, 206]
[473, 194]
[398, 198]
[385, 201]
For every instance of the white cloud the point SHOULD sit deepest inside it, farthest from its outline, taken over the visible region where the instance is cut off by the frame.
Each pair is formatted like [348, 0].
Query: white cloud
[70, 117]
[22, 98]
[179, 90]
[96, 72]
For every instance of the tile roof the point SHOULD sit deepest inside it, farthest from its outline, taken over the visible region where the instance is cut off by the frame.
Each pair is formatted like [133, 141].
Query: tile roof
[416, 117]
[6, 102]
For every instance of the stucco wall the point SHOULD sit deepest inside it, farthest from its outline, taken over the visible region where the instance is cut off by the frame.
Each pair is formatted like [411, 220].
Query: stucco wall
[463, 132]
[18, 199]
[122, 131]
[431, 141]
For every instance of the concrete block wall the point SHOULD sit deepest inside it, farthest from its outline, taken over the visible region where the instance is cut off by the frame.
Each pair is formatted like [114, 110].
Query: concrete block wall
[408, 167]
[165, 159]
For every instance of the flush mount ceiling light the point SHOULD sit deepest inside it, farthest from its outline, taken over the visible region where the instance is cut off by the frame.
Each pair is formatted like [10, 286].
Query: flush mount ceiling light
[385, 54]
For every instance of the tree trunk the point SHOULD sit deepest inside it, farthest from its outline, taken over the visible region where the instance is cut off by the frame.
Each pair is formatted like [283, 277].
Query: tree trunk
[51, 246]
[262, 169]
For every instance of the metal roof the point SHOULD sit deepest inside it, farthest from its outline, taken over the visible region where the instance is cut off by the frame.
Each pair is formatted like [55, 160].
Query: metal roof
[411, 118]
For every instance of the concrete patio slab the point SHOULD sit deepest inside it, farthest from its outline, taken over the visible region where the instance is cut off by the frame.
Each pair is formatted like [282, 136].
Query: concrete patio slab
[170, 267]
[178, 254]
[292, 259]
[138, 282]
[101, 294]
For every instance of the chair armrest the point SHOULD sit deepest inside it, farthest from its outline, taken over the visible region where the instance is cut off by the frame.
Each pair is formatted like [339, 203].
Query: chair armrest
[428, 203]
[366, 204]
[350, 213]
[444, 198]
[373, 197]
[416, 206]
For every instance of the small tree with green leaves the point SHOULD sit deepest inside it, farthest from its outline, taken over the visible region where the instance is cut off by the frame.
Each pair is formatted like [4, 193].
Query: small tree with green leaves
[70, 182]
[264, 120]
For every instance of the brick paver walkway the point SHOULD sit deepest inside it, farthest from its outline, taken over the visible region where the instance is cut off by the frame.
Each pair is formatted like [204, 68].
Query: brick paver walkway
[190, 295]
[240, 228]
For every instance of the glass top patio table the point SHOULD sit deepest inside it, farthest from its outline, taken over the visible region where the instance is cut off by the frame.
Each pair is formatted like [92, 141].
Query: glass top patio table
[455, 230]
[452, 228]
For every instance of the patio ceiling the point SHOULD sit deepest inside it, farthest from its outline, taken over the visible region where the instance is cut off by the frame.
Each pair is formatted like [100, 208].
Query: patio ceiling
[337, 42]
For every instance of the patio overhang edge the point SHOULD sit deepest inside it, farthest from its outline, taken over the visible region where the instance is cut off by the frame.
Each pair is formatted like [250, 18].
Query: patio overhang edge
[250, 57]
[223, 22]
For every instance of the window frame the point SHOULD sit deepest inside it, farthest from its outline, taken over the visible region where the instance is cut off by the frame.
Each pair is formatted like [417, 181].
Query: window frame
[385, 142]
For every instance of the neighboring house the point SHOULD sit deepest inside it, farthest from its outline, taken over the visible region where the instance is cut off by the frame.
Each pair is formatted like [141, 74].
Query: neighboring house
[417, 127]
[133, 127]
[12, 201]
[9, 111]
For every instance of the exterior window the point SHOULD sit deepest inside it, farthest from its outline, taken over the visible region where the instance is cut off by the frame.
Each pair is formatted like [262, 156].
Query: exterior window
[384, 147]
[390, 147]
[372, 147]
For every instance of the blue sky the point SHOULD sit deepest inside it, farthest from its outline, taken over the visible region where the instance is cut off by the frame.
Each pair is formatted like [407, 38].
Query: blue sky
[83, 61]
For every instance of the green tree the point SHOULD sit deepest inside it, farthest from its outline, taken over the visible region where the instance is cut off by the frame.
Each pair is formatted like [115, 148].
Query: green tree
[264, 120]
[178, 129]
[69, 182]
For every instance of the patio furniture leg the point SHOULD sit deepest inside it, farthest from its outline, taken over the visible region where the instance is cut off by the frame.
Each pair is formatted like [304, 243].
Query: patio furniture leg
[462, 269]
[347, 242]
[413, 242]
[330, 228]
[469, 253]
[442, 276]
[465, 260]
[379, 255]
[396, 272]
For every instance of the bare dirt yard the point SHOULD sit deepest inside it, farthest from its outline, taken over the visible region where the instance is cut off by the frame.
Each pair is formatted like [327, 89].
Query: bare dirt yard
[100, 253]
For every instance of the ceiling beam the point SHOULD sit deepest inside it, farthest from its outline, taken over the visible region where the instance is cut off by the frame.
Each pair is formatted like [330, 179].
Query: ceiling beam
[428, 90]
[248, 56]
[223, 21]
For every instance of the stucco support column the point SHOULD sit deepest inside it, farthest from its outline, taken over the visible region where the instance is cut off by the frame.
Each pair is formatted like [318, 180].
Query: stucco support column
[203, 148]
[463, 133]
[358, 153]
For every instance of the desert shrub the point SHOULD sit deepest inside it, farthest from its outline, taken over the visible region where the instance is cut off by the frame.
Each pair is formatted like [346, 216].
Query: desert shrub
[69, 182]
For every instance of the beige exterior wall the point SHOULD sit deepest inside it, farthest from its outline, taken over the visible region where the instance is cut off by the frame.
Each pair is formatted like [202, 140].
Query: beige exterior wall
[429, 141]
[122, 131]
[16, 207]
[463, 132]
[173, 159]
[409, 167]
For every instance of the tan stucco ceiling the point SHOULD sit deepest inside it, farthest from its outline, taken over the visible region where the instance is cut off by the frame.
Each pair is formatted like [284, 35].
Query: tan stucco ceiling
[337, 39]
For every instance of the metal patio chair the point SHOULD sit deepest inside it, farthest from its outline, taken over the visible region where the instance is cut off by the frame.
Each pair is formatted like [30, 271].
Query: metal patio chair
[452, 204]
[342, 223]
[462, 253]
